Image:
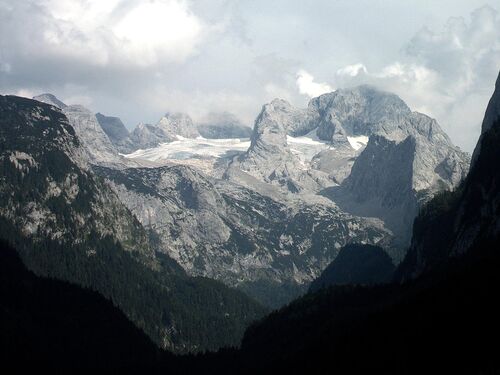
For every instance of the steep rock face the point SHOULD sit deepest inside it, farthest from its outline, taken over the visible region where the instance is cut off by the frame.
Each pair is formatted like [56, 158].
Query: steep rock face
[224, 231]
[147, 136]
[97, 147]
[168, 129]
[381, 185]
[469, 217]
[178, 124]
[50, 99]
[269, 157]
[222, 126]
[361, 110]
[408, 158]
[491, 115]
[68, 224]
[116, 132]
[346, 119]
[365, 111]
[40, 147]
[96, 143]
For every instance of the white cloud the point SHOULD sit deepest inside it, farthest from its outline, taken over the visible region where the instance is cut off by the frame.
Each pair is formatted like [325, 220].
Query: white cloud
[307, 86]
[447, 74]
[25, 93]
[105, 32]
[159, 29]
[352, 70]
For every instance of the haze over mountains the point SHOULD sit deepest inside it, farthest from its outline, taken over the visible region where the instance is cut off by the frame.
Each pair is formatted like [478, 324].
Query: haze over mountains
[439, 312]
[268, 213]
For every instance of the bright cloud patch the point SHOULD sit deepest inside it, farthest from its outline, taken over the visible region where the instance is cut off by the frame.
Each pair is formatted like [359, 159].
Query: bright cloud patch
[159, 29]
[448, 74]
[307, 86]
[352, 70]
[105, 32]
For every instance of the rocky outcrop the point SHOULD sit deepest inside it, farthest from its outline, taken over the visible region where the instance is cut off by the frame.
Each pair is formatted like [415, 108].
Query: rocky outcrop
[68, 224]
[96, 143]
[116, 132]
[269, 157]
[381, 185]
[468, 218]
[50, 99]
[147, 136]
[491, 115]
[269, 247]
[168, 129]
[362, 110]
[97, 147]
[178, 124]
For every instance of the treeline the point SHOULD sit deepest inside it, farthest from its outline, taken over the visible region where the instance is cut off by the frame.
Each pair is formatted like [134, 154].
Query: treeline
[178, 312]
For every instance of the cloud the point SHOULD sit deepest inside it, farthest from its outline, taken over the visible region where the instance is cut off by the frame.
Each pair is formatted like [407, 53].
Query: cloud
[352, 70]
[139, 58]
[101, 32]
[448, 74]
[307, 86]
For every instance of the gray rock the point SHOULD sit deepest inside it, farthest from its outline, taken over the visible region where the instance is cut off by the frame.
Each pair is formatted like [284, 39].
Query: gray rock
[98, 147]
[269, 157]
[116, 132]
[50, 99]
[222, 230]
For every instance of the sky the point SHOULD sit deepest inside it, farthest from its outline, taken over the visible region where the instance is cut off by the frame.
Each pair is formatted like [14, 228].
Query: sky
[138, 59]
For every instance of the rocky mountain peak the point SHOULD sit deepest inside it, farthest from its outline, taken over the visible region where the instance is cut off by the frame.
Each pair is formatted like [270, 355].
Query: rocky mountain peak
[455, 222]
[491, 115]
[361, 110]
[116, 132]
[50, 99]
[99, 148]
[112, 126]
[176, 123]
[271, 125]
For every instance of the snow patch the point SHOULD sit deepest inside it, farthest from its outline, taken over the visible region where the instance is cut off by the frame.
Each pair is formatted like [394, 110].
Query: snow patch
[189, 148]
[358, 142]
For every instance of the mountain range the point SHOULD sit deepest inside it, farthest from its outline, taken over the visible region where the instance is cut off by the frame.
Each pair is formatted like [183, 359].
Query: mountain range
[194, 231]
[437, 313]
[267, 217]
[66, 223]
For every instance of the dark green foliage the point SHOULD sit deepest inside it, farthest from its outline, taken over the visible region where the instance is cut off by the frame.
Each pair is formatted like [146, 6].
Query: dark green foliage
[71, 237]
[444, 322]
[51, 323]
[273, 294]
[357, 264]
[177, 312]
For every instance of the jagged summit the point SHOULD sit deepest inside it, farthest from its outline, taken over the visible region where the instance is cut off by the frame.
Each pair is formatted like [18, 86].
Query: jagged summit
[270, 158]
[50, 99]
[113, 126]
[177, 123]
[98, 147]
[116, 132]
